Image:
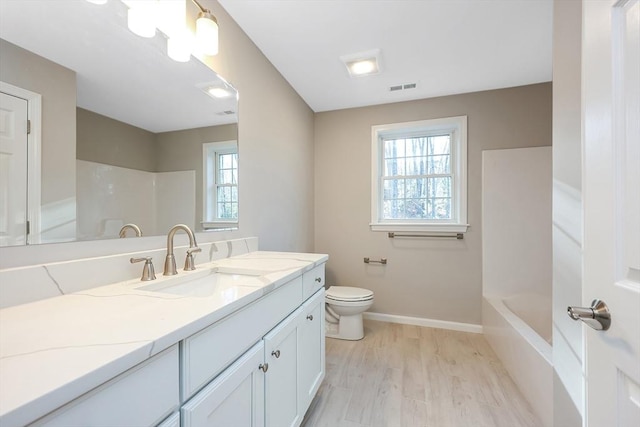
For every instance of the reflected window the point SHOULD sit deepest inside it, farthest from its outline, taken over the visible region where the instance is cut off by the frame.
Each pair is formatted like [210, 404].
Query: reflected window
[220, 174]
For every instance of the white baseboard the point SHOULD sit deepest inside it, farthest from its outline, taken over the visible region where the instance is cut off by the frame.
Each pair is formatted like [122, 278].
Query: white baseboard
[419, 321]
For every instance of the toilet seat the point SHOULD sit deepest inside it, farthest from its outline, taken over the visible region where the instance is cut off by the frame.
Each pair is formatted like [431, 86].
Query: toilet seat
[348, 294]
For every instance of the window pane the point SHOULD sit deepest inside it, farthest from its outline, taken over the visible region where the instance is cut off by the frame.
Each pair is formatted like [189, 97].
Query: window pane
[440, 187]
[393, 148]
[416, 188]
[416, 208]
[393, 209]
[394, 167]
[441, 208]
[393, 189]
[416, 165]
[417, 147]
[440, 145]
[439, 164]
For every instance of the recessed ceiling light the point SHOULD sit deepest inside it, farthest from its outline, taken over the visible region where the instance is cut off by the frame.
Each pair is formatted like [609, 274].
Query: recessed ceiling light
[219, 92]
[363, 63]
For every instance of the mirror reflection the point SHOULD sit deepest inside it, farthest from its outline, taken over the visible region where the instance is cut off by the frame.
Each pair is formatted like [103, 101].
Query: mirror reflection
[120, 133]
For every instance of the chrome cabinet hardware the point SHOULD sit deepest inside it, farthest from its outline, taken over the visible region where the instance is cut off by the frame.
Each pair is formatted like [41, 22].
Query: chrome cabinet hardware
[148, 272]
[310, 317]
[318, 279]
[276, 353]
[264, 367]
[368, 260]
[597, 316]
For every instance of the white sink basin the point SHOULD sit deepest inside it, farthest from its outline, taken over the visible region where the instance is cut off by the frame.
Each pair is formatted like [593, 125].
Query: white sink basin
[203, 286]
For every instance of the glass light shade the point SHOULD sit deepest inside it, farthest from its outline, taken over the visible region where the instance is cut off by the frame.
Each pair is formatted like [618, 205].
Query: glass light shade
[179, 46]
[368, 66]
[218, 92]
[207, 33]
[140, 21]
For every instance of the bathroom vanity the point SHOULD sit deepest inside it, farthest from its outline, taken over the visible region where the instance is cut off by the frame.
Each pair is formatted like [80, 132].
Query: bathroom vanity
[239, 341]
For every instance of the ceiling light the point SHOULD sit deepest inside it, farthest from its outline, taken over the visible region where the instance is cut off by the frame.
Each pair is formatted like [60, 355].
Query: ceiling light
[179, 46]
[219, 92]
[141, 18]
[363, 63]
[206, 31]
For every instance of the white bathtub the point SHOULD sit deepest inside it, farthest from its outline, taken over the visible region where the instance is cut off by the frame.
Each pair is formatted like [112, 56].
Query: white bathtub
[524, 352]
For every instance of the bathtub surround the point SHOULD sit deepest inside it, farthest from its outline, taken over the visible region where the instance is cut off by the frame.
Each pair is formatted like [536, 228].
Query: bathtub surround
[516, 268]
[435, 279]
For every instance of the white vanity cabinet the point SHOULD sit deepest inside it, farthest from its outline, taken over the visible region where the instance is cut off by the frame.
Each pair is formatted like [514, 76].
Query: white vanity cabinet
[234, 398]
[142, 396]
[311, 349]
[274, 382]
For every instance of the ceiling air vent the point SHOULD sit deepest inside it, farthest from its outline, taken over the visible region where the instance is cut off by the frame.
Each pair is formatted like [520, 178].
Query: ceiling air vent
[396, 88]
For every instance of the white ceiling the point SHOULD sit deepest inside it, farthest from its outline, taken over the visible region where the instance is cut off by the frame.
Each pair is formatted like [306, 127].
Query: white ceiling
[445, 46]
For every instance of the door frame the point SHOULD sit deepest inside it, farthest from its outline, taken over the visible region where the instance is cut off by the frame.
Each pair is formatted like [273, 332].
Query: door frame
[34, 153]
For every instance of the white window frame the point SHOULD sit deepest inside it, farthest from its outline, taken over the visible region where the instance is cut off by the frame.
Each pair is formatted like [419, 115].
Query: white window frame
[210, 149]
[457, 126]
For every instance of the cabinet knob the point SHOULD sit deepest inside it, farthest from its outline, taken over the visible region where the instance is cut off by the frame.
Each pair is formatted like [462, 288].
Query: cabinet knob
[310, 317]
[318, 279]
[276, 353]
[264, 367]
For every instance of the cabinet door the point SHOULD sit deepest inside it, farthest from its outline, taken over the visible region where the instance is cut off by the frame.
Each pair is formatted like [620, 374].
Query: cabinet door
[311, 349]
[281, 396]
[234, 398]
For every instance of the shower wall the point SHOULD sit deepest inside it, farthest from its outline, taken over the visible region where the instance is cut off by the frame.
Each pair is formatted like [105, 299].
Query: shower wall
[516, 222]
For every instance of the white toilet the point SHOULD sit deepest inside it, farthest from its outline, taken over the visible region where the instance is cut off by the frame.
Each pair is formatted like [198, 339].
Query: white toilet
[344, 306]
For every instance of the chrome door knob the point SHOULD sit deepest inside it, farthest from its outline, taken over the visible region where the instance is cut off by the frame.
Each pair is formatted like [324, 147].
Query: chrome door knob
[597, 316]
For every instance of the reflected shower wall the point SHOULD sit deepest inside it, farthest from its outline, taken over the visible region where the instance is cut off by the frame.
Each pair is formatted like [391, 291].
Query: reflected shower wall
[111, 196]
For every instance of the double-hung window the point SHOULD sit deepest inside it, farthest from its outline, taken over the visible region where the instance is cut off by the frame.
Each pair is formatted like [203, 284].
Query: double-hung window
[419, 180]
[220, 184]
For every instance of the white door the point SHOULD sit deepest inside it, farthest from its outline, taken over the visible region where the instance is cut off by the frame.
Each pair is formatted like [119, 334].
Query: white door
[611, 96]
[13, 170]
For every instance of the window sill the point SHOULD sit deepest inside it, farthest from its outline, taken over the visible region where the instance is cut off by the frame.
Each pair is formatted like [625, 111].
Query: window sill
[425, 228]
[219, 225]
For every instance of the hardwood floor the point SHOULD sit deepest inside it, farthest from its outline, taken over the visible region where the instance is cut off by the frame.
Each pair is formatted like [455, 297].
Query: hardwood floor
[403, 375]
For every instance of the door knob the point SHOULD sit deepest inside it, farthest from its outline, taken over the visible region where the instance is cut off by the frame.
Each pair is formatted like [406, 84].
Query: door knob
[597, 316]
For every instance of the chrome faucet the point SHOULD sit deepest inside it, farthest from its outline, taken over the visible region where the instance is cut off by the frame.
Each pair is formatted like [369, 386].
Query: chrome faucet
[170, 261]
[135, 228]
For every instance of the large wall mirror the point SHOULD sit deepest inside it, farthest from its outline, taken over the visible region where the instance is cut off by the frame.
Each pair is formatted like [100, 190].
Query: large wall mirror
[119, 132]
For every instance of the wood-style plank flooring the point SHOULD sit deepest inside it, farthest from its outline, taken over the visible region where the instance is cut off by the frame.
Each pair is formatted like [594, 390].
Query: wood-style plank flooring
[403, 375]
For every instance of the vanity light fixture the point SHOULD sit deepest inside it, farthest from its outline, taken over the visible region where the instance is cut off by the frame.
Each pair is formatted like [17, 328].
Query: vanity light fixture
[169, 17]
[363, 64]
[206, 31]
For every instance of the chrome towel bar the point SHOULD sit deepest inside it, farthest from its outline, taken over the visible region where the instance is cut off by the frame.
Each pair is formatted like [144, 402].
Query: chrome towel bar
[458, 236]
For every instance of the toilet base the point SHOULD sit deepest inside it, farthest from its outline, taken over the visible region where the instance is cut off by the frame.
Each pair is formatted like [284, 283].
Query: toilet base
[349, 328]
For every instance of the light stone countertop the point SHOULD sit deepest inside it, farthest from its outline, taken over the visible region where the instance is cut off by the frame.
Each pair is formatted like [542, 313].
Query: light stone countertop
[54, 350]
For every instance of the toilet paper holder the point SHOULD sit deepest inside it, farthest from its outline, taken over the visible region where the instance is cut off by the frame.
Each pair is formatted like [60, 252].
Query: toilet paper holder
[367, 260]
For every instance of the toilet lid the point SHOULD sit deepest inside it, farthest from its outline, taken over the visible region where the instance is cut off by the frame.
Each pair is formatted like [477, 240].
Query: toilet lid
[348, 293]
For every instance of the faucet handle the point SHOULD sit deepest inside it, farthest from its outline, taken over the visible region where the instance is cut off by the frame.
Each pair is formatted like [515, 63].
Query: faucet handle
[189, 263]
[148, 272]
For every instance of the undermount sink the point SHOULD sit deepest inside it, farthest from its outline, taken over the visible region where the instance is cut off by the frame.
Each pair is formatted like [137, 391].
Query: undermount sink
[203, 285]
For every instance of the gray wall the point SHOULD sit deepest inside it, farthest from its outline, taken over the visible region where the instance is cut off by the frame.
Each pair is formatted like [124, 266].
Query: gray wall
[57, 85]
[275, 143]
[567, 211]
[104, 140]
[426, 278]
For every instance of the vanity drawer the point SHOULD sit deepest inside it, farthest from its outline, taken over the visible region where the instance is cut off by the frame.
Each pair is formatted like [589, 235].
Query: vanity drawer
[312, 280]
[141, 396]
[208, 352]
